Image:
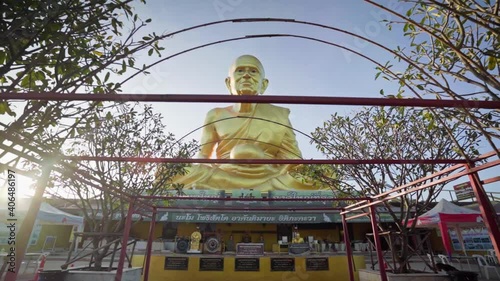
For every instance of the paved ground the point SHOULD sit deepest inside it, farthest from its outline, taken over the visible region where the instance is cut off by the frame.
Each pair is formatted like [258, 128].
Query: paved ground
[54, 262]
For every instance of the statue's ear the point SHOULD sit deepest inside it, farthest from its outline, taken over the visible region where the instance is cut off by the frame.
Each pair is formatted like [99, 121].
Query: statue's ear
[265, 82]
[228, 84]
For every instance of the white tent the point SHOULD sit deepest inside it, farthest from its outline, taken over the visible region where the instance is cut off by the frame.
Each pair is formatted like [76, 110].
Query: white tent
[448, 215]
[47, 215]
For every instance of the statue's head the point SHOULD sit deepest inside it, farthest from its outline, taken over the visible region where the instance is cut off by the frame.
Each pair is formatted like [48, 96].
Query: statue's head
[246, 77]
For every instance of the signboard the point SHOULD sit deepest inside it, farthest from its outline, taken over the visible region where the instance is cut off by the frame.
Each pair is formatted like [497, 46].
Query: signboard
[250, 249]
[246, 264]
[183, 211]
[253, 217]
[463, 191]
[298, 248]
[211, 264]
[282, 264]
[247, 195]
[301, 195]
[261, 217]
[474, 239]
[317, 264]
[176, 263]
[209, 194]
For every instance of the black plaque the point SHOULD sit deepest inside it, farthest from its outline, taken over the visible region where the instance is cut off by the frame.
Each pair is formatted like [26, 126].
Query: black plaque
[176, 263]
[250, 249]
[298, 248]
[246, 264]
[282, 264]
[317, 264]
[211, 264]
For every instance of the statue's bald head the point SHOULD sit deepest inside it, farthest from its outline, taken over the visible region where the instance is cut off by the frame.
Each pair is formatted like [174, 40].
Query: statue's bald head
[246, 76]
[247, 59]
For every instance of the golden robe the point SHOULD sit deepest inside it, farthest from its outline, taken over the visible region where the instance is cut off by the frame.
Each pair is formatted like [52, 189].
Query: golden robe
[263, 133]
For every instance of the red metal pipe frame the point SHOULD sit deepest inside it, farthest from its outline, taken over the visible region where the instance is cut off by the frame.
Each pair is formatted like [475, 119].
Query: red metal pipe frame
[357, 206]
[378, 245]
[149, 246]
[246, 199]
[53, 96]
[490, 180]
[450, 169]
[287, 100]
[250, 209]
[266, 161]
[447, 170]
[126, 234]
[348, 249]
[357, 216]
[487, 211]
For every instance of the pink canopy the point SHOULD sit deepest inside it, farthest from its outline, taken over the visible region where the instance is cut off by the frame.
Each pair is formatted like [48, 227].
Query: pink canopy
[445, 215]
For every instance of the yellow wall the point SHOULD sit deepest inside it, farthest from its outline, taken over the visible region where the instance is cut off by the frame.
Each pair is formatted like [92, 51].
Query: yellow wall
[338, 270]
[62, 233]
[140, 230]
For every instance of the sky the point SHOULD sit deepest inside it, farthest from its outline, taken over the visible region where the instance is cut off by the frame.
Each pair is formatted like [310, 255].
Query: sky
[294, 66]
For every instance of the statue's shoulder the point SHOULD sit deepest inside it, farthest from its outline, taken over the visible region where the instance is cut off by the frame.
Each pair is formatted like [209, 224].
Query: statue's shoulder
[215, 113]
[278, 110]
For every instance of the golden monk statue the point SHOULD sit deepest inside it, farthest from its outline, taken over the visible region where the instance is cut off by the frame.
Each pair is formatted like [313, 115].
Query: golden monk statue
[246, 131]
[297, 238]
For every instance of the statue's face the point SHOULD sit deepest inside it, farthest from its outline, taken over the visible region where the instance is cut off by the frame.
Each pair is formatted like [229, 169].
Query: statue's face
[246, 77]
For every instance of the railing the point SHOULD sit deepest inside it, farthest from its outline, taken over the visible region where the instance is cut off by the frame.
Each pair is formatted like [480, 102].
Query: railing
[492, 196]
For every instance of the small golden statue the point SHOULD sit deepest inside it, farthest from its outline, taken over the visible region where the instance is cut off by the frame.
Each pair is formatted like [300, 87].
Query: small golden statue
[195, 241]
[297, 239]
[246, 131]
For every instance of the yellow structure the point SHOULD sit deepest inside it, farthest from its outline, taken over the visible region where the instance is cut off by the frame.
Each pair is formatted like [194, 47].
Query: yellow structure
[246, 131]
[337, 270]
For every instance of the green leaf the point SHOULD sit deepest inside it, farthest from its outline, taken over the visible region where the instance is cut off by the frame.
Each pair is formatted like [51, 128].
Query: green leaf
[3, 56]
[3, 107]
[492, 63]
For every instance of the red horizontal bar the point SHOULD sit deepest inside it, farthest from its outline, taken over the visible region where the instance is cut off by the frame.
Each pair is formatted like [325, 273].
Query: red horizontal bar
[267, 161]
[248, 199]
[491, 180]
[250, 209]
[47, 96]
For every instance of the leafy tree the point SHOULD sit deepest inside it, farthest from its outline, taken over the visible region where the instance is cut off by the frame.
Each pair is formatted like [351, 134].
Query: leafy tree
[124, 133]
[391, 133]
[65, 47]
[452, 53]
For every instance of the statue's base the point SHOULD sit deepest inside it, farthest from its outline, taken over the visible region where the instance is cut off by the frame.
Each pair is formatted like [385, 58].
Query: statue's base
[193, 252]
